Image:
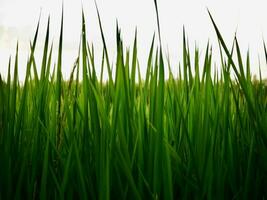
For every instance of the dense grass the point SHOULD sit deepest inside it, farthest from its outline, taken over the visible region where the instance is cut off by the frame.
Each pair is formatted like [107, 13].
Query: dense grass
[198, 136]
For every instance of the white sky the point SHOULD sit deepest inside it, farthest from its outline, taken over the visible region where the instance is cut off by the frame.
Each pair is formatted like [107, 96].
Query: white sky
[18, 19]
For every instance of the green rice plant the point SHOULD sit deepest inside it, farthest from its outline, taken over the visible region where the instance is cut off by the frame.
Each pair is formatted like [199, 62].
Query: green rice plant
[195, 136]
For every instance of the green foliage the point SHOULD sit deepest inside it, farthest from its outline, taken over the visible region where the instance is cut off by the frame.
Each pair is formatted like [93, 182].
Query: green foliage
[198, 136]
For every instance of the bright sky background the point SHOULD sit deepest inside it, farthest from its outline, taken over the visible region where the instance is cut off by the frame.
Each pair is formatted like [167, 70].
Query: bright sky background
[18, 20]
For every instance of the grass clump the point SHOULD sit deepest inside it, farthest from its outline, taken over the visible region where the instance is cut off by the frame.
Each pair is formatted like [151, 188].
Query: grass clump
[192, 137]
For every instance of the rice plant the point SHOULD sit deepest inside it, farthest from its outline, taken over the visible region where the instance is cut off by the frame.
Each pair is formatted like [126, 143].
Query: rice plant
[192, 136]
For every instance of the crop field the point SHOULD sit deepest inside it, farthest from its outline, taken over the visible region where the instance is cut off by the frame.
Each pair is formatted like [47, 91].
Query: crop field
[198, 135]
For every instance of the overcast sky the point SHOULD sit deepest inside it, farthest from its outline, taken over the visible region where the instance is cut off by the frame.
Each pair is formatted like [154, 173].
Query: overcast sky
[18, 19]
